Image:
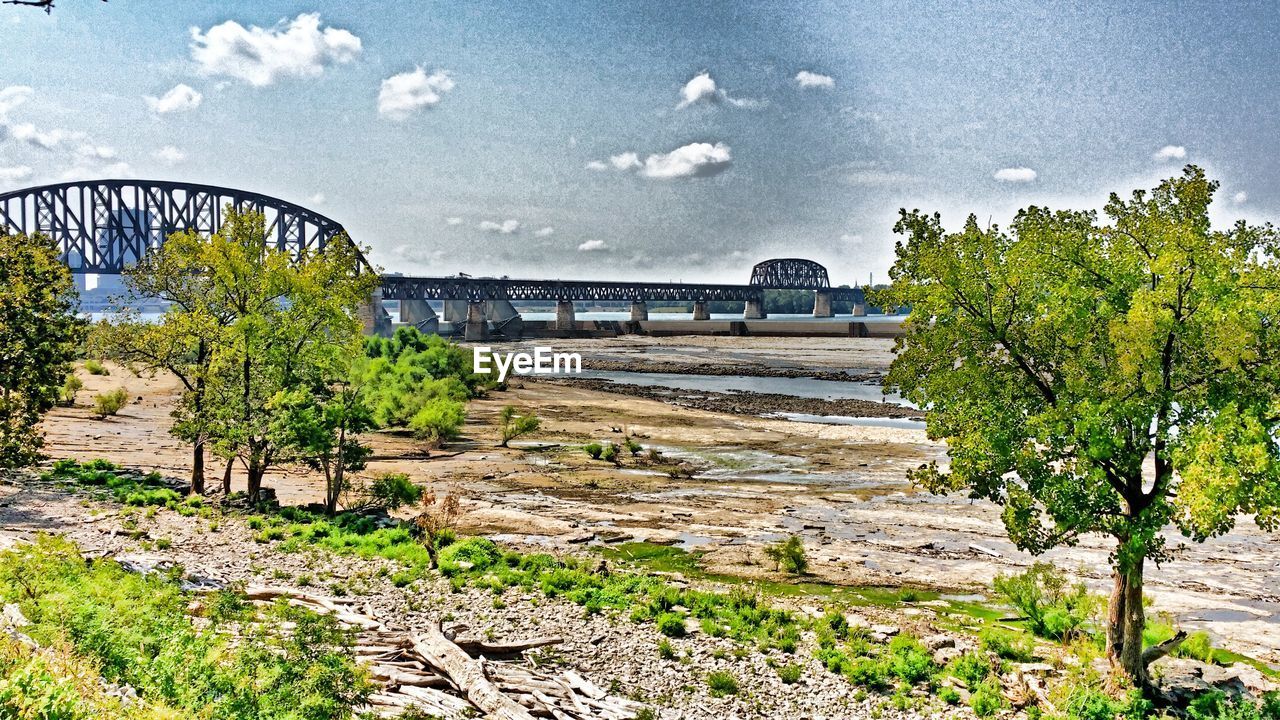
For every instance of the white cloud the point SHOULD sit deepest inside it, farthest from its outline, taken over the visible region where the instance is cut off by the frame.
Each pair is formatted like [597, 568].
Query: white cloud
[180, 98]
[169, 155]
[506, 227]
[851, 238]
[402, 95]
[316, 199]
[593, 245]
[1015, 174]
[692, 160]
[1171, 152]
[92, 153]
[47, 139]
[453, 221]
[806, 79]
[547, 231]
[625, 161]
[14, 173]
[260, 56]
[700, 87]
[13, 96]
[80, 171]
[1240, 198]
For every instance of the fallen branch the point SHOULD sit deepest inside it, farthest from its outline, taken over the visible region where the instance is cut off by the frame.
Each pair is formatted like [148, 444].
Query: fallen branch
[1155, 652]
[468, 674]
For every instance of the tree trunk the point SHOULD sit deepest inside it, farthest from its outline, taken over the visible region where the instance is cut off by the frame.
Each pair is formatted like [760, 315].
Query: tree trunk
[1125, 622]
[197, 469]
[226, 477]
[255, 473]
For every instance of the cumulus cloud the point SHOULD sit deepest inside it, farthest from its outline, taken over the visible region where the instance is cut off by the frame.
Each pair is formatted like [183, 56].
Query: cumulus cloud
[506, 227]
[80, 171]
[14, 173]
[1240, 198]
[807, 79]
[169, 155]
[593, 245]
[93, 153]
[453, 221]
[625, 161]
[1171, 152]
[13, 96]
[404, 94]
[547, 231]
[316, 199]
[260, 56]
[1015, 174]
[180, 98]
[851, 238]
[47, 139]
[702, 88]
[690, 161]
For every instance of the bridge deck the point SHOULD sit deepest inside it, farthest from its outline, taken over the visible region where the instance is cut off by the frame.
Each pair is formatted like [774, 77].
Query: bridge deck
[400, 287]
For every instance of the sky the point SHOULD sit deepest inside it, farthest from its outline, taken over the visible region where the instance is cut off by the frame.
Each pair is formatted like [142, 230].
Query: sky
[651, 140]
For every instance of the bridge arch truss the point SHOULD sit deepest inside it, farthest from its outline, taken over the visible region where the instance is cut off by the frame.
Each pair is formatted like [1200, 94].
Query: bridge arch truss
[103, 226]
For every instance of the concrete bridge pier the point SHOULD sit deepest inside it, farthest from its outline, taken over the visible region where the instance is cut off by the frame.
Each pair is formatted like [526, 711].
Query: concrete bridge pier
[477, 324]
[860, 309]
[374, 317]
[822, 304]
[639, 311]
[754, 310]
[506, 321]
[565, 319]
[700, 311]
[454, 311]
[419, 314]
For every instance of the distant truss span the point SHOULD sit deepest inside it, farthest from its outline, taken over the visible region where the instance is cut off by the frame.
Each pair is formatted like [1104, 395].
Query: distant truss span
[790, 274]
[103, 226]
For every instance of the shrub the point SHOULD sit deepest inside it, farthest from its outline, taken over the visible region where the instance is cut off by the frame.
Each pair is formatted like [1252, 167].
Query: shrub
[632, 447]
[439, 420]
[788, 555]
[110, 403]
[665, 650]
[1215, 705]
[469, 555]
[593, 449]
[1197, 646]
[873, 673]
[948, 695]
[609, 453]
[1006, 644]
[96, 368]
[722, 683]
[513, 424]
[67, 393]
[1089, 703]
[911, 662]
[791, 673]
[1054, 608]
[670, 624]
[987, 699]
[394, 490]
[971, 668]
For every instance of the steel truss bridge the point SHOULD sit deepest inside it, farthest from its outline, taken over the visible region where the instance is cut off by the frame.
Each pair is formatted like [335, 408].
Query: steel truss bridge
[103, 226]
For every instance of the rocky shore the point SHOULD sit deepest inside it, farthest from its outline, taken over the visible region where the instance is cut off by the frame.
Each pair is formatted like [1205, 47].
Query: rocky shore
[728, 369]
[749, 403]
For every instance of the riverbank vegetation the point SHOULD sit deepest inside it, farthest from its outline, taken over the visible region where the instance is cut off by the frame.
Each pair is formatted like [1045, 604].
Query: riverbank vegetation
[1063, 357]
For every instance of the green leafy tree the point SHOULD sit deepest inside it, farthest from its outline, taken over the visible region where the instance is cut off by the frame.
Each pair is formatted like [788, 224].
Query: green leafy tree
[39, 337]
[292, 324]
[321, 427]
[1108, 375]
[182, 342]
[513, 424]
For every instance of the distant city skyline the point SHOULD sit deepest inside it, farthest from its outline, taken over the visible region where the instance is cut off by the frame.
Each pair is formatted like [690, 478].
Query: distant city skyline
[661, 141]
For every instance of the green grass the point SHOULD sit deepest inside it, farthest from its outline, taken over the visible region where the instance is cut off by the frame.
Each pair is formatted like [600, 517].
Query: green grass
[721, 683]
[134, 629]
[125, 486]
